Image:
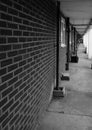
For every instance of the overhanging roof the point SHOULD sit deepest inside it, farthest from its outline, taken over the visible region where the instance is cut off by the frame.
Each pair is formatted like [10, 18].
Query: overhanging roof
[79, 12]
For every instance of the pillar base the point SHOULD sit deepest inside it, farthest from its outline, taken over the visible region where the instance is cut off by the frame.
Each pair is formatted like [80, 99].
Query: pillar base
[74, 59]
[59, 93]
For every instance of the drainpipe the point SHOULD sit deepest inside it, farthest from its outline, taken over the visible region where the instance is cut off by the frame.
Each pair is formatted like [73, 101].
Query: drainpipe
[57, 58]
[67, 43]
[71, 40]
[74, 41]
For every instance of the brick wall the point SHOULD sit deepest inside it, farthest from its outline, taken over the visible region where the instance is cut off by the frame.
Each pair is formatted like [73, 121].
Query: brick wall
[27, 61]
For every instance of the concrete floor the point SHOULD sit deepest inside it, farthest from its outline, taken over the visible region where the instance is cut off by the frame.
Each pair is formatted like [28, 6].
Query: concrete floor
[74, 111]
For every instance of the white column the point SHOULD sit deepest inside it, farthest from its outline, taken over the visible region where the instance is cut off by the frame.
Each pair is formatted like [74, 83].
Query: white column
[90, 43]
[85, 41]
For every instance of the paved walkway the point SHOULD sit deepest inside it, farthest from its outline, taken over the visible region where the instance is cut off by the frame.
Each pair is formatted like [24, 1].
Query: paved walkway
[74, 111]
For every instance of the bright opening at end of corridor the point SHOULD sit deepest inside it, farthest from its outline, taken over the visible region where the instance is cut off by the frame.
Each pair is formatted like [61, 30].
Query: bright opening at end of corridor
[87, 41]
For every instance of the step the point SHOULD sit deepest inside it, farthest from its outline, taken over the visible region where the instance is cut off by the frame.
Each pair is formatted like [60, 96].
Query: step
[59, 93]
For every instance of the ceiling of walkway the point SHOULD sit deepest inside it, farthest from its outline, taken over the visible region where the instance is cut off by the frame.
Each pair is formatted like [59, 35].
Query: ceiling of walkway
[79, 12]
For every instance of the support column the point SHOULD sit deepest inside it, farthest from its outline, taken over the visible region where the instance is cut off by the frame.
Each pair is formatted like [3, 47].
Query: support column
[58, 30]
[74, 57]
[58, 91]
[67, 43]
[74, 41]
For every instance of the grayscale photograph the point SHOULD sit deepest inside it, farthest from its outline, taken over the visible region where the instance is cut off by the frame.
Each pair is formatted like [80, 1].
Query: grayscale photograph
[45, 64]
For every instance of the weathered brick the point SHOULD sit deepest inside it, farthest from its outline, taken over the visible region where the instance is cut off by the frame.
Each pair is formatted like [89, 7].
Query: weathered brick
[22, 15]
[30, 49]
[14, 106]
[6, 17]
[32, 63]
[12, 67]
[17, 58]
[13, 93]
[6, 62]
[25, 45]
[3, 116]
[25, 56]
[17, 20]
[18, 71]
[12, 40]
[19, 119]
[22, 86]
[3, 8]
[22, 121]
[7, 2]
[23, 96]
[22, 27]
[17, 33]
[22, 39]
[22, 63]
[12, 81]
[25, 22]
[23, 51]
[2, 40]
[26, 33]
[12, 53]
[6, 121]
[19, 95]
[12, 127]
[3, 86]
[6, 127]
[7, 91]
[5, 32]
[2, 71]
[5, 48]
[25, 101]
[7, 105]
[26, 88]
[21, 128]
[12, 25]
[12, 11]
[17, 6]
[7, 77]
[3, 101]
[26, 77]
[25, 10]
[25, 127]
[18, 83]
[18, 109]
[26, 66]
[17, 46]
[14, 119]
[3, 24]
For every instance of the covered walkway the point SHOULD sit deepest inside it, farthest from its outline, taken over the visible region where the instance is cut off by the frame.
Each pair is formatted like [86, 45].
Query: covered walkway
[39, 42]
[74, 111]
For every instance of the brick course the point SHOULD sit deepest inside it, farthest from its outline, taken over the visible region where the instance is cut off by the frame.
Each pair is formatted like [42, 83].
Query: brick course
[27, 61]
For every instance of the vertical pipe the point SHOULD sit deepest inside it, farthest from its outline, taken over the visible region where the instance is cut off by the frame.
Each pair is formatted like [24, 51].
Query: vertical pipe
[57, 61]
[67, 42]
[74, 41]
